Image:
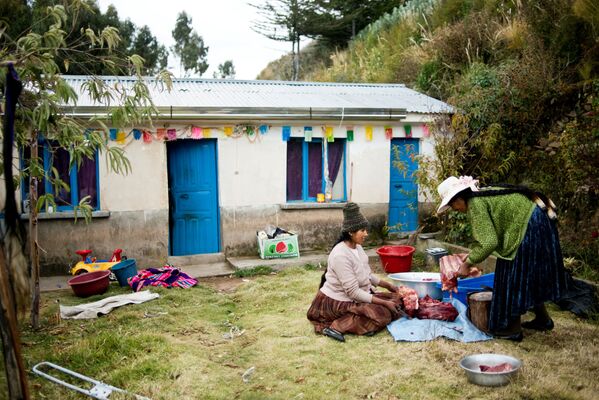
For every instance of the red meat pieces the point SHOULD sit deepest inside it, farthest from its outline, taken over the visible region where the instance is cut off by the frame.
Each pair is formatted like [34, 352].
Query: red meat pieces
[449, 271]
[409, 299]
[503, 367]
[430, 308]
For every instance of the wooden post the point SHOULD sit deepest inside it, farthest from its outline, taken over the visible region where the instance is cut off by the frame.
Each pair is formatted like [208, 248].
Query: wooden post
[16, 377]
[33, 236]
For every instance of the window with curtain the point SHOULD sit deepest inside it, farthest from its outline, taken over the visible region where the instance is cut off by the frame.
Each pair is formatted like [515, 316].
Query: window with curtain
[306, 169]
[82, 179]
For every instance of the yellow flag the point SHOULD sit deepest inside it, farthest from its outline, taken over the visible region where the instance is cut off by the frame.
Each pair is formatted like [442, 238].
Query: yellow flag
[120, 137]
[369, 133]
[228, 130]
[207, 132]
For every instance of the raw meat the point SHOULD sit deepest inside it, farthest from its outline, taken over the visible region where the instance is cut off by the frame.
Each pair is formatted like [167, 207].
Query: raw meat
[429, 308]
[409, 299]
[449, 271]
[503, 367]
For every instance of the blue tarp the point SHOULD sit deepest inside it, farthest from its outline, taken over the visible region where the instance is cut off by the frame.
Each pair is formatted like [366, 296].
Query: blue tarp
[421, 330]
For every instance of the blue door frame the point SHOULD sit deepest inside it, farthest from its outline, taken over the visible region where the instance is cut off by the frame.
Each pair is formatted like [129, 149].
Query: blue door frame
[194, 224]
[403, 190]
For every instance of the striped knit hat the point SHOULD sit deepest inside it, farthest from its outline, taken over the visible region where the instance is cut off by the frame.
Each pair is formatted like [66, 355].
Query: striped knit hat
[353, 220]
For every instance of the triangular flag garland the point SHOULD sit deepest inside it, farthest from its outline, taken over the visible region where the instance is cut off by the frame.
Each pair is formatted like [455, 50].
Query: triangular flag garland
[408, 130]
[425, 131]
[171, 134]
[369, 133]
[160, 133]
[207, 133]
[286, 133]
[113, 133]
[147, 137]
[308, 133]
[228, 130]
[263, 129]
[389, 132]
[136, 134]
[328, 133]
[350, 133]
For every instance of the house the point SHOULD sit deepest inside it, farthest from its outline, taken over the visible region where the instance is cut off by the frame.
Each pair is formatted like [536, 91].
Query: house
[225, 158]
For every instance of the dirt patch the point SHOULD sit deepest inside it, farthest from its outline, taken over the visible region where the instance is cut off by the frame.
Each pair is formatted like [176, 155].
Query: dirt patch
[223, 284]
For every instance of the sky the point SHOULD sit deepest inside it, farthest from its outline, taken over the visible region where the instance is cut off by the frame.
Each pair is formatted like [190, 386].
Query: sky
[225, 26]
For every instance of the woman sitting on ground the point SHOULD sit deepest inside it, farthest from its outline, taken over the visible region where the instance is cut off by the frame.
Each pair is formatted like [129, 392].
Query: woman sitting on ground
[346, 301]
[517, 225]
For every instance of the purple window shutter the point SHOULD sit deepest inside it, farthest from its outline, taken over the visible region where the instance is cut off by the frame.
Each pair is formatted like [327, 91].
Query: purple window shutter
[314, 168]
[294, 170]
[60, 161]
[87, 180]
[335, 153]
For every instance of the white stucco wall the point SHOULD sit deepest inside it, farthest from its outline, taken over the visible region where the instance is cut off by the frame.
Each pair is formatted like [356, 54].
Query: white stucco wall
[253, 173]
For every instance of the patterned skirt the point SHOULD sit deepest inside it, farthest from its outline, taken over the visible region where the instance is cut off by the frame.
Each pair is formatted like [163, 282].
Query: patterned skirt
[534, 276]
[350, 317]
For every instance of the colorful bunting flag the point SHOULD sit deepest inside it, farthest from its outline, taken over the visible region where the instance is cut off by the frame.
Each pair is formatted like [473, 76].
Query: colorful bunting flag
[207, 132]
[228, 130]
[113, 132]
[263, 129]
[136, 134]
[120, 137]
[196, 132]
[147, 137]
[308, 133]
[249, 130]
[161, 134]
[286, 133]
[425, 131]
[350, 133]
[369, 133]
[328, 133]
[408, 129]
[388, 132]
[171, 134]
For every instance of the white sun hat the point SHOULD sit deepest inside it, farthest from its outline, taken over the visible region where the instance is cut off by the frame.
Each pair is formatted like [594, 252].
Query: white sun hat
[452, 186]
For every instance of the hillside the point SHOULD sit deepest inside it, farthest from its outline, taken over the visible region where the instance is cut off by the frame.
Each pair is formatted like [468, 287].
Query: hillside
[524, 76]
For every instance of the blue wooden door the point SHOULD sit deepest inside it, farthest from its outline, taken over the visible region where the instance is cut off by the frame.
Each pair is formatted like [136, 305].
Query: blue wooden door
[193, 199]
[403, 190]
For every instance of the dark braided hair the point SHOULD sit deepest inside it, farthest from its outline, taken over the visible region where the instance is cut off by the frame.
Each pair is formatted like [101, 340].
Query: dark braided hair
[344, 236]
[538, 198]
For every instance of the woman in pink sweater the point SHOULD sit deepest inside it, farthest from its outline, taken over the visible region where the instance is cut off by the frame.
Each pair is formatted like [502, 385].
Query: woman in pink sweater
[346, 301]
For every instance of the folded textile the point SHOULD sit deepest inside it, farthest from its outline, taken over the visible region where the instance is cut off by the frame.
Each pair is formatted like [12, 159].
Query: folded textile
[104, 306]
[420, 330]
[167, 276]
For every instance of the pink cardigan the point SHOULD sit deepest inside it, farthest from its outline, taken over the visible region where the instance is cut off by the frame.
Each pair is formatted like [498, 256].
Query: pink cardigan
[347, 278]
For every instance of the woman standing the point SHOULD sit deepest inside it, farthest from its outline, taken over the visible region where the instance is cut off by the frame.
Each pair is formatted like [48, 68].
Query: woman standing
[516, 225]
[346, 301]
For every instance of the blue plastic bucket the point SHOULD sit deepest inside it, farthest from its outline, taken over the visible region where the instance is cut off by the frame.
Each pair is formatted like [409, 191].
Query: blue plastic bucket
[469, 285]
[125, 270]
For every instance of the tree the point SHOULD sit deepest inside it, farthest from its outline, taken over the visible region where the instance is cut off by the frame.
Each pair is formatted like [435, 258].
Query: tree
[145, 45]
[189, 46]
[285, 20]
[38, 58]
[226, 70]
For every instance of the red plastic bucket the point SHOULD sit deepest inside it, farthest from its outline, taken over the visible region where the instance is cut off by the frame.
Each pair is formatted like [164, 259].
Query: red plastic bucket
[396, 258]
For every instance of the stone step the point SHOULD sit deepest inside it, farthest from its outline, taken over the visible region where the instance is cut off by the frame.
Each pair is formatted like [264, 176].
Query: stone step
[196, 259]
[206, 270]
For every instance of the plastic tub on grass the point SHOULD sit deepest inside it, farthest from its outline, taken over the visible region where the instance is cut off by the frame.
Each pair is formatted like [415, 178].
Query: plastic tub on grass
[90, 283]
[125, 270]
[396, 258]
[469, 285]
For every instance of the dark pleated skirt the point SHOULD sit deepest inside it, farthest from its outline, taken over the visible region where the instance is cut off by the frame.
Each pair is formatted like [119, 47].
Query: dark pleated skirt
[536, 274]
[350, 317]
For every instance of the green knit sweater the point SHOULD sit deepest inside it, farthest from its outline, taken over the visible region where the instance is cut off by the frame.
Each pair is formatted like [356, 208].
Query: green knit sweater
[498, 225]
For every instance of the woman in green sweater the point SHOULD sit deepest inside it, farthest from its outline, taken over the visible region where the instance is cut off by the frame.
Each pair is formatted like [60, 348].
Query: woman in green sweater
[517, 226]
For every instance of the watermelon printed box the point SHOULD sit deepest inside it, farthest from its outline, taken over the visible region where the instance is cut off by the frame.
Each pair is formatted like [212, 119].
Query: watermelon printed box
[279, 247]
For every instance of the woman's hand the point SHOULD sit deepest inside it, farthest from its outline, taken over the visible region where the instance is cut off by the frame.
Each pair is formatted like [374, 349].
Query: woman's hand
[468, 270]
[389, 286]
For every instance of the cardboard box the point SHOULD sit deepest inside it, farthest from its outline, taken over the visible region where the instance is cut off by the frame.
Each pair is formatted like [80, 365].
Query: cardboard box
[280, 247]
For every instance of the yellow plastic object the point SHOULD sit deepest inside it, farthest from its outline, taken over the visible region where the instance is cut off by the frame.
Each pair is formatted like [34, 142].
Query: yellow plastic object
[82, 267]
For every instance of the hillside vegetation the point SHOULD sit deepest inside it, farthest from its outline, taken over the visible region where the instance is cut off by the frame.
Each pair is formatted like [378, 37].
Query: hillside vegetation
[524, 78]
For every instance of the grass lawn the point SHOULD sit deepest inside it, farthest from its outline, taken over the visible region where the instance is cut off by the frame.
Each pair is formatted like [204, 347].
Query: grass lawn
[177, 347]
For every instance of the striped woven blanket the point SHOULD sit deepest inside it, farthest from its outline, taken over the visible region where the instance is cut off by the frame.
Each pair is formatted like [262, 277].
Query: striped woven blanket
[167, 276]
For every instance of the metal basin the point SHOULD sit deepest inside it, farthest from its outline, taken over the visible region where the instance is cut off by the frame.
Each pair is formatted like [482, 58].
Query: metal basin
[424, 283]
[471, 364]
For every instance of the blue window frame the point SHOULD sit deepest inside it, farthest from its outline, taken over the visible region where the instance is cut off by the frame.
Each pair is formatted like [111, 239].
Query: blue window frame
[306, 167]
[82, 180]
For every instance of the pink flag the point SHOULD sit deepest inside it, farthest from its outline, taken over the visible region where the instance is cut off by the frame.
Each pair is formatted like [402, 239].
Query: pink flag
[171, 134]
[196, 132]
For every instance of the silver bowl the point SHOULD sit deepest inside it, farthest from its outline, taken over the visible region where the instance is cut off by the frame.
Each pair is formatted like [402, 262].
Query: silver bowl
[471, 364]
[422, 282]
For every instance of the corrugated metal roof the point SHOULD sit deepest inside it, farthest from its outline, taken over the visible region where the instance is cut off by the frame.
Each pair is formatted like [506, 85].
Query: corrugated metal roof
[190, 94]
